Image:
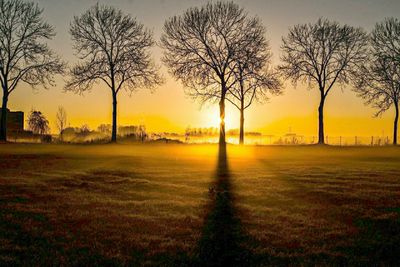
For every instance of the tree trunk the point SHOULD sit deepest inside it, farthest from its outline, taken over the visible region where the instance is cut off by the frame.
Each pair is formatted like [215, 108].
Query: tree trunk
[3, 122]
[321, 133]
[222, 123]
[396, 120]
[241, 134]
[114, 119]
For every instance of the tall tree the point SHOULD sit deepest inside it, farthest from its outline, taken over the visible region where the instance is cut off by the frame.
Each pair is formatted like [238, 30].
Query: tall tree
[112, 48]
[323, 54]
[61, 121]
[378, 81]
[200, 45]
[38, 123]
[24, 54]
[254, 77]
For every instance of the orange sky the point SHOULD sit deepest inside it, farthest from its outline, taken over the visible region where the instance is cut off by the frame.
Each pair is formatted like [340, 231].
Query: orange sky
[168, 109]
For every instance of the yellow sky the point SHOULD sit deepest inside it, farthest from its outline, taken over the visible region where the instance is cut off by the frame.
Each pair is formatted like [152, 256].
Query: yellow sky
[168, 109]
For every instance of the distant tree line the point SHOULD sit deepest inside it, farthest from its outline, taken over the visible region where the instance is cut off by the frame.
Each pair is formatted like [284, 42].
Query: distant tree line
[103, 132]
[218, 51]
[210, 131]
[213, 131]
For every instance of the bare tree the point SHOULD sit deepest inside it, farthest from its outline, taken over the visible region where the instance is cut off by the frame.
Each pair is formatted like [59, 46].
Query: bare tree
[113, 48]
[252, 72]
[38, 123]
[85, 129]
[378, 81]
[323, 54]
[61, 121]
[200, 45]
[104, 128]
[24, 55]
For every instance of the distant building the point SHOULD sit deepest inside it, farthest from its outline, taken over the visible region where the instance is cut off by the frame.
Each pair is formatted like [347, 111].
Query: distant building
[15, 121]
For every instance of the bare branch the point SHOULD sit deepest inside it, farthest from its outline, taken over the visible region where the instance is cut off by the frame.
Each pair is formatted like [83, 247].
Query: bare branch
[253, 78]
[24, 55]
[114, 48]
[378, 81]
[323, 54]
[199, 47]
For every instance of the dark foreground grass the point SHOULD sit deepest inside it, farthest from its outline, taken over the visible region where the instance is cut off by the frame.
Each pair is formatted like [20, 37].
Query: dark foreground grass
[183, 205]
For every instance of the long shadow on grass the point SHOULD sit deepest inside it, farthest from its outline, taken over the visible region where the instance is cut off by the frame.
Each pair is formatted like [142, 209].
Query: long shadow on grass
[223, 241]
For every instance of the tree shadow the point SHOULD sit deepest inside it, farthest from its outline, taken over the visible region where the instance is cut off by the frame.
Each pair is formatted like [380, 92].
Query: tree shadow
[223, 240]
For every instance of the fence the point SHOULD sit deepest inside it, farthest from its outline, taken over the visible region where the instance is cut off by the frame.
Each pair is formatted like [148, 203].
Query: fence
[335, 140]
[294, 140]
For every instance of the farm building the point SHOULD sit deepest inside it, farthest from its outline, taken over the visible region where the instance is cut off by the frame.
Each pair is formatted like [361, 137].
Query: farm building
[15, 121]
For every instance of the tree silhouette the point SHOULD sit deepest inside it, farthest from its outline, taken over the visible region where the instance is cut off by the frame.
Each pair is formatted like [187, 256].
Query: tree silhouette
[252, 72]
[378, 81]
[61, 121]
[200, 45]
[112, 48]
[323, 54]
[38, 123]
[24, 55]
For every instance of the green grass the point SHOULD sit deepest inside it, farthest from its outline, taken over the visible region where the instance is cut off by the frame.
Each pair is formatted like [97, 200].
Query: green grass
[186, 205]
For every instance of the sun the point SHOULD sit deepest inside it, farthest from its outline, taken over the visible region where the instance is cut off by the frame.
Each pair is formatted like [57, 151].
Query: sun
[213, 119]
[210, 118]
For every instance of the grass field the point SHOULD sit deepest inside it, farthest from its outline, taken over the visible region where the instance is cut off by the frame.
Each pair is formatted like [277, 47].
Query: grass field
[197, 205]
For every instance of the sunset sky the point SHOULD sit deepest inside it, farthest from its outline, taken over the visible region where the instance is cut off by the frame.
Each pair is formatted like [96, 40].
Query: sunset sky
[168, 109]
